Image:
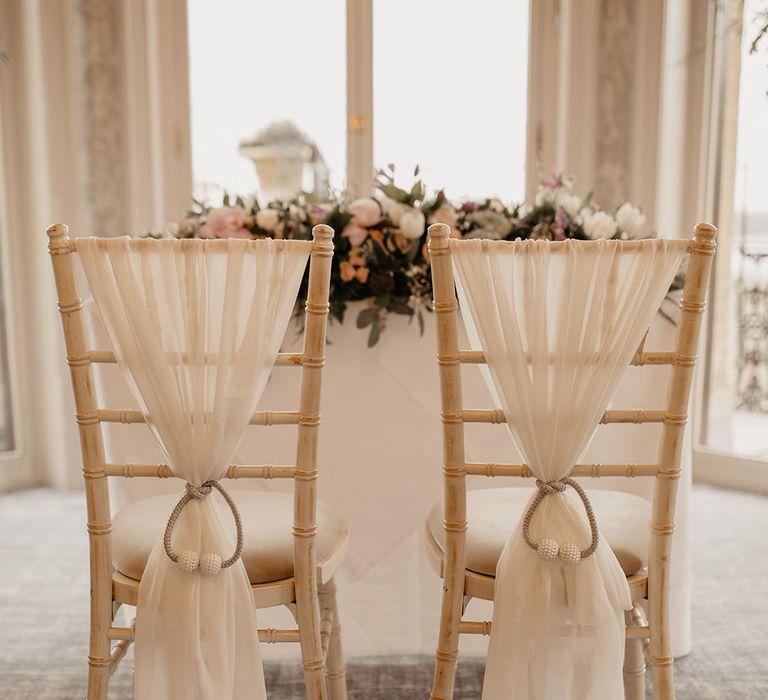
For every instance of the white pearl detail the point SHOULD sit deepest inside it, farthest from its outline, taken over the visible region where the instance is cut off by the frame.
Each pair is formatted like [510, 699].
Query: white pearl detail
[548, 549]
[210, 564]
[570, 553]
[188, 561]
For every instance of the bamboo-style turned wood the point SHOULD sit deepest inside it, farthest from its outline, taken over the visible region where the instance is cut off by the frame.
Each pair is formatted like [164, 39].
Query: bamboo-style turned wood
[475, 357]
[318, 632]
[692, 307]
[284, 359]
[454, 482]
[100, 660]
[634, 415]
[305, 494]
[129, 416]
[235, 471]
[673, 418]
[628, 470]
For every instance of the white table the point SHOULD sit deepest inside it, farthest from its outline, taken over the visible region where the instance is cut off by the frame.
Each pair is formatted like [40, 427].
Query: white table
[380, 456]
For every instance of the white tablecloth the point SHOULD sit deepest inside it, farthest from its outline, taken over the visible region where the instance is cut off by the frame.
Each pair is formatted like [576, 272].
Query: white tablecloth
[380, 466]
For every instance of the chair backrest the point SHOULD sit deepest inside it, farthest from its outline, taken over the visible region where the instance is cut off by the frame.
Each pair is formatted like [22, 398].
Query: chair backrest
[673, 416]
[91, 417]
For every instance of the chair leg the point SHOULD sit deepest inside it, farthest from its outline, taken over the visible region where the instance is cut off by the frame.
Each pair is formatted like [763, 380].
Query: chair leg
[448, 643]
[335, 670]
[660, 654]
[100, 649]
[634, 668]
[308, 618]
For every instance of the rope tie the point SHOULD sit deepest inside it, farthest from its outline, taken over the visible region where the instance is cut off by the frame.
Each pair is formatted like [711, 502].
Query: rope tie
[209, 563]
[549, 549]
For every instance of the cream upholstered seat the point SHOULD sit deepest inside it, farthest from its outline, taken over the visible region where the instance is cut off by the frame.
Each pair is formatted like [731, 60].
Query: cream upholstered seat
[493, 514]
[267, 519]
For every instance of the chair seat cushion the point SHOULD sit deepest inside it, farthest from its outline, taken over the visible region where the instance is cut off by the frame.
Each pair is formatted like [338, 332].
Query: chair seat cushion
[493, 514]
[267, 522]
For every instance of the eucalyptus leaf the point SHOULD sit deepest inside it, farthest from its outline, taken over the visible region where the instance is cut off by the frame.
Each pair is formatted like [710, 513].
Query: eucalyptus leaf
[375, 334]
[417, 191]
[394, 192]
[366, 317]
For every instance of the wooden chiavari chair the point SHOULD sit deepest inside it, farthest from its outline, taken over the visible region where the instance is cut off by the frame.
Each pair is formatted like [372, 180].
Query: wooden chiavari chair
[467, 565]
[293, 570]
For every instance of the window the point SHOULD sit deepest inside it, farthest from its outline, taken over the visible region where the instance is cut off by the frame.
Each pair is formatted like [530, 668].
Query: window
[253, 63]
[456, 108]
[450, 93]
[738, 395]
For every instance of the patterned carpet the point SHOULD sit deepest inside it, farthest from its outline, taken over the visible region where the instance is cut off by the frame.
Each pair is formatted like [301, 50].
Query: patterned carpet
[43, 640]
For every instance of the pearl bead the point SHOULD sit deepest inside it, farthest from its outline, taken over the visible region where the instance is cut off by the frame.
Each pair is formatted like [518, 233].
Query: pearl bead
[548, 549]
[188, 561]
[210, 564]
[570, 553]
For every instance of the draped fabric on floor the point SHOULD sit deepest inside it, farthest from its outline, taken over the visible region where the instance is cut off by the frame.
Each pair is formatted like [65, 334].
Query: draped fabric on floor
[558, 323]
[196, 327]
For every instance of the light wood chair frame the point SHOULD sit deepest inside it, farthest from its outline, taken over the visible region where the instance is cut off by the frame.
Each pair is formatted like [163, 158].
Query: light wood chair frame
[646, 634]
[310, 594]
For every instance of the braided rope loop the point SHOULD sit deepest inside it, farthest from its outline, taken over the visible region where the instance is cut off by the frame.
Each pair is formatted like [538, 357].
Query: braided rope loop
[200, 493]
[547, 548]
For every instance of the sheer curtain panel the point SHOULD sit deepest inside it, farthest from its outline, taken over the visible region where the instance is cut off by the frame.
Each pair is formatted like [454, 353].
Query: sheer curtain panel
[559, 324]
[196, 327]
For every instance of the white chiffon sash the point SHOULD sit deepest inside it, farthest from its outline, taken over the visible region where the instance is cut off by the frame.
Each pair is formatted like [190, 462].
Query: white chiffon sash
[558, 325]
[196, 327]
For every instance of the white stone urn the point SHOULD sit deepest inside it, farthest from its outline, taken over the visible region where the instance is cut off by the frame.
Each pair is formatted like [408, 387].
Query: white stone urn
[281, 154]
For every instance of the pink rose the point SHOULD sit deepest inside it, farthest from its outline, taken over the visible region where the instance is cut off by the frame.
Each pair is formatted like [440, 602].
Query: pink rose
[225, 222]
[356, 234]
[365, 211]
[468, 207]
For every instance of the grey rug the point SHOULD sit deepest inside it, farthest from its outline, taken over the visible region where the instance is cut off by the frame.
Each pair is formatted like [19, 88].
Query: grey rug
[43, 637]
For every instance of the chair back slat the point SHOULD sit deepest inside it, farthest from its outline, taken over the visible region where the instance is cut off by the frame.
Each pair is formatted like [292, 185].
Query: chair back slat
[284, 359]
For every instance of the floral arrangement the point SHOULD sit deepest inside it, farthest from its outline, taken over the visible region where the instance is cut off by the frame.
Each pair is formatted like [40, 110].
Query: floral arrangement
[380, 247]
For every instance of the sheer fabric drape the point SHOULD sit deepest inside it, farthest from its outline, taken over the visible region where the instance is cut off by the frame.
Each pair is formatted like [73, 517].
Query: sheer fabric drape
[558, 323]
[196, 326]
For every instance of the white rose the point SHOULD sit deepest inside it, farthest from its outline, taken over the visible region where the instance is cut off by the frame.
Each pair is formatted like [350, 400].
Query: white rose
[267, 219]
[570, 203]
[496, 205]
[599, 224]
[543, 197]
[629, 218]
[412, 223]
[396, 211]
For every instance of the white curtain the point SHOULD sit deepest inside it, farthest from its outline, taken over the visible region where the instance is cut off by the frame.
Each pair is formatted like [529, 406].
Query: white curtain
[558, 323]
[196, 326]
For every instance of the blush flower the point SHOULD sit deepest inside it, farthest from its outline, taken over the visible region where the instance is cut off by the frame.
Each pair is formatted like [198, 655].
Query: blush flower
[225, 222]
[365, 212]
[356, 234]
